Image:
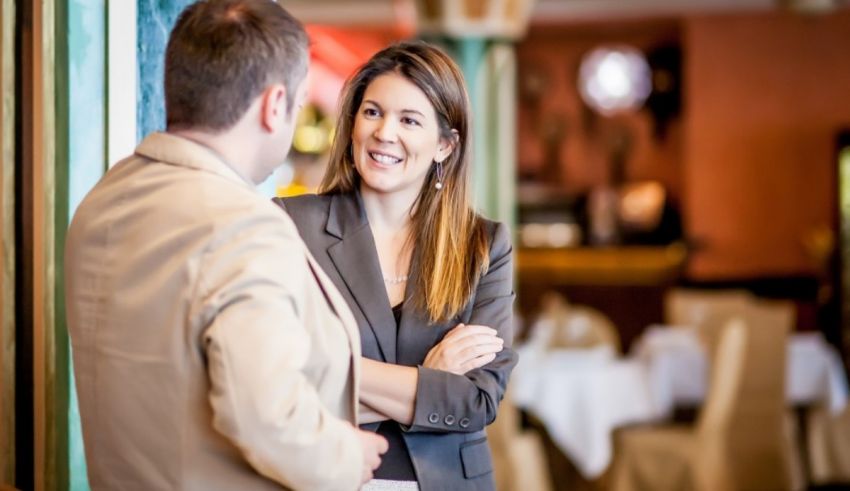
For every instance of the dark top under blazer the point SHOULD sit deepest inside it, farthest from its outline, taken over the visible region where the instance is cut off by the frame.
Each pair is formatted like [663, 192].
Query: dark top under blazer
[446, 440]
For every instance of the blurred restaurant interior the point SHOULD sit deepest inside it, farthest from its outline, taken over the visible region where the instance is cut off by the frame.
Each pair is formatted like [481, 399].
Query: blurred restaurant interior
[676, 174]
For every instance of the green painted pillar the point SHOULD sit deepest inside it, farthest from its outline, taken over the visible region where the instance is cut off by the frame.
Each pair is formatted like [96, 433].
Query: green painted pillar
[489, 67]
[86, 163]
[471, 54]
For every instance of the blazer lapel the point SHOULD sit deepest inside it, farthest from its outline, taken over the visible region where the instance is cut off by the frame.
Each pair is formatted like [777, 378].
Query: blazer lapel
[356, 260]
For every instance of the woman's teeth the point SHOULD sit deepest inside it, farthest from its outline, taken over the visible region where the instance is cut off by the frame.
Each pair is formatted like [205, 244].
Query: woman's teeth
[384, 159]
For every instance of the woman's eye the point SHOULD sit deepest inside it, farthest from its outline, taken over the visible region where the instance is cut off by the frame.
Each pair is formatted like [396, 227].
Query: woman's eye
[410, 121]
[370, 112]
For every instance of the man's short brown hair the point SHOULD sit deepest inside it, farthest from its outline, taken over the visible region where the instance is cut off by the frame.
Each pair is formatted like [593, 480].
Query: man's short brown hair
[223, 53]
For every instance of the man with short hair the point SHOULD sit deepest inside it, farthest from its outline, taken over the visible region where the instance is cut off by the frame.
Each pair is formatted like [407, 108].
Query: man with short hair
[210, 350]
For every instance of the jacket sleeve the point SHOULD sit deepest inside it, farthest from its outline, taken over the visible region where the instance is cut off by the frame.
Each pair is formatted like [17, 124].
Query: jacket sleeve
[446, 402]
[256, 349]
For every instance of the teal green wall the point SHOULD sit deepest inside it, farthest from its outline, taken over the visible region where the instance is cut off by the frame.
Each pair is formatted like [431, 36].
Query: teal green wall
[154, 22]
[86, 157]
[493, 172]
[87, 72]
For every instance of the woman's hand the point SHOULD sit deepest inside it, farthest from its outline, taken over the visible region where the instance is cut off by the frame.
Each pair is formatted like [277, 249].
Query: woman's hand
[464, 348]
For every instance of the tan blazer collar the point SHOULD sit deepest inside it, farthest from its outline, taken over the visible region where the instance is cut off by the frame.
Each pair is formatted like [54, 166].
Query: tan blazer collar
[176, 150]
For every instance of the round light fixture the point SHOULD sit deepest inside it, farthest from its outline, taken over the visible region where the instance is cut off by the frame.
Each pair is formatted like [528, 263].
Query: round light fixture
[614, 79]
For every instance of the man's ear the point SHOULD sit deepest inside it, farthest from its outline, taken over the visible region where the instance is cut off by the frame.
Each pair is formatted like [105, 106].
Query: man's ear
[273, 106]
[447, 146]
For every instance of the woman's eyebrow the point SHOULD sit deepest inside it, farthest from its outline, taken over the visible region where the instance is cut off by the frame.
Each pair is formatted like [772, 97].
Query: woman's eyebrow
[414, 111]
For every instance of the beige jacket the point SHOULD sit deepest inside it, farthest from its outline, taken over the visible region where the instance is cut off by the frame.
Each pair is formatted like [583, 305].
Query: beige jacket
[210, 350]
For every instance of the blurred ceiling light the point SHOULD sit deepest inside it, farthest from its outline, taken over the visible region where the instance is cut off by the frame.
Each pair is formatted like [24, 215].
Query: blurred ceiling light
[310, 139]
[614, 79]
[313, 131]
[550, 235]
[642, 204]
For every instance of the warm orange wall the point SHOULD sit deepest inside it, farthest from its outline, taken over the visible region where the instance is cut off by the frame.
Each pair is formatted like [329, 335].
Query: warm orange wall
[766, 95]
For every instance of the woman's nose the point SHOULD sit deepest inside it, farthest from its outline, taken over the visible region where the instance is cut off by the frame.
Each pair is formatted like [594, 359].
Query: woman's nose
[386, 131]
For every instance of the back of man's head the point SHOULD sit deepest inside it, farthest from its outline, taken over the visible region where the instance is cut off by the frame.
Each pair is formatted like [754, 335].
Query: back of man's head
[222, 54]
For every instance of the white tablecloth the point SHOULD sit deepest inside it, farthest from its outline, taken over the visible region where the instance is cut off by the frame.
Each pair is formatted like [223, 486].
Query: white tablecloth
[582, 396]
[678, 366]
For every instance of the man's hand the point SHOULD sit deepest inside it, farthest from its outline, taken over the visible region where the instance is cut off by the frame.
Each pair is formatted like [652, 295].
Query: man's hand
[373, 447]
[464, 348]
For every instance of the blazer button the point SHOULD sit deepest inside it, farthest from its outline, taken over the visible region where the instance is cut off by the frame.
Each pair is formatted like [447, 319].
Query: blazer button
[433, 418]
[450, 420]
[464, 422]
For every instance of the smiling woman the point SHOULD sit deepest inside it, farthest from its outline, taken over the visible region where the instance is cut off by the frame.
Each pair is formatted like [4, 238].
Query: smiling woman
[396, 137]
[428, 280]
[452, 239]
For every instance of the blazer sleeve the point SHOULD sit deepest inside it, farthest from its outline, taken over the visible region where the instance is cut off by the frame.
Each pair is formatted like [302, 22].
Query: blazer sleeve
[446, 402]
[256, 347]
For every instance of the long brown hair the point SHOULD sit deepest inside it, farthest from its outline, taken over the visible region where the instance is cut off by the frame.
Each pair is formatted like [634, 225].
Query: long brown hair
[450, 243]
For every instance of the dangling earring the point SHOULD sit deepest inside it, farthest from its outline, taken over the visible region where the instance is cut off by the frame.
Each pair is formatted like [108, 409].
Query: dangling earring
[439, 184]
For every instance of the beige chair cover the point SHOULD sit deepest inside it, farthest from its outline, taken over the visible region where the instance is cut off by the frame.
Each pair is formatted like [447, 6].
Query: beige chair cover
[576, 326]
[519, 460]
[740, 441]
[695, 307]
[829, 446]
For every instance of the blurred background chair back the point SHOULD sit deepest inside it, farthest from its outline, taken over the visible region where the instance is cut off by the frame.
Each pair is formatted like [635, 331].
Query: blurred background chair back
[710, 310]
[677, 457]
[743, 430]
[693, 307]
[519, 460]
[576, 326]
[739, 442]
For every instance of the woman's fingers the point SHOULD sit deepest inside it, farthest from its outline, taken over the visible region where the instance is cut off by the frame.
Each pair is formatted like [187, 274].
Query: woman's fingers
[461, 358]
[459, 346]
[462, 330]
[480, 349]
[464, 348]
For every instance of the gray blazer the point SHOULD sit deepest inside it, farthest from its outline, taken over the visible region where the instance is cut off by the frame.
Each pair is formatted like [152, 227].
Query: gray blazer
[446, 441]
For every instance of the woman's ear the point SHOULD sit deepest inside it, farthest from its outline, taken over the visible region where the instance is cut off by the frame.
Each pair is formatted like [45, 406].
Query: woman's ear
[447, 146]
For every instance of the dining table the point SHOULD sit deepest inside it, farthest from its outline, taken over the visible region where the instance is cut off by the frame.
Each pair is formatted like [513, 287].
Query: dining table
[582, 395]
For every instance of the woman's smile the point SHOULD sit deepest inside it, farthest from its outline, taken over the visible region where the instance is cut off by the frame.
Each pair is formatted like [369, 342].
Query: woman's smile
[383, 158]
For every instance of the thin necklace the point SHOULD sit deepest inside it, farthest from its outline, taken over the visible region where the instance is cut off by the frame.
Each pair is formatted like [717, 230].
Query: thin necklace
[396, 280]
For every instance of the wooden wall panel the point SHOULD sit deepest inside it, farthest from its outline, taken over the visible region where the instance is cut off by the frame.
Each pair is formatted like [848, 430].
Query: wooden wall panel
[39, 197]
[7, 246]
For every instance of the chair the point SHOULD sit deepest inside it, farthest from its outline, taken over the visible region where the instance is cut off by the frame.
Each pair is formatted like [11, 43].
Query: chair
[694, 307]
[778, 316]
[774, 312]
[710, 310]
[829, 445]
[519, 461]
[566, 325]
[739, 441]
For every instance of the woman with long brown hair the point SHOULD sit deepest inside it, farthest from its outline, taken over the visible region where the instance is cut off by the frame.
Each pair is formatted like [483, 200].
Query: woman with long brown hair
[428, 279]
